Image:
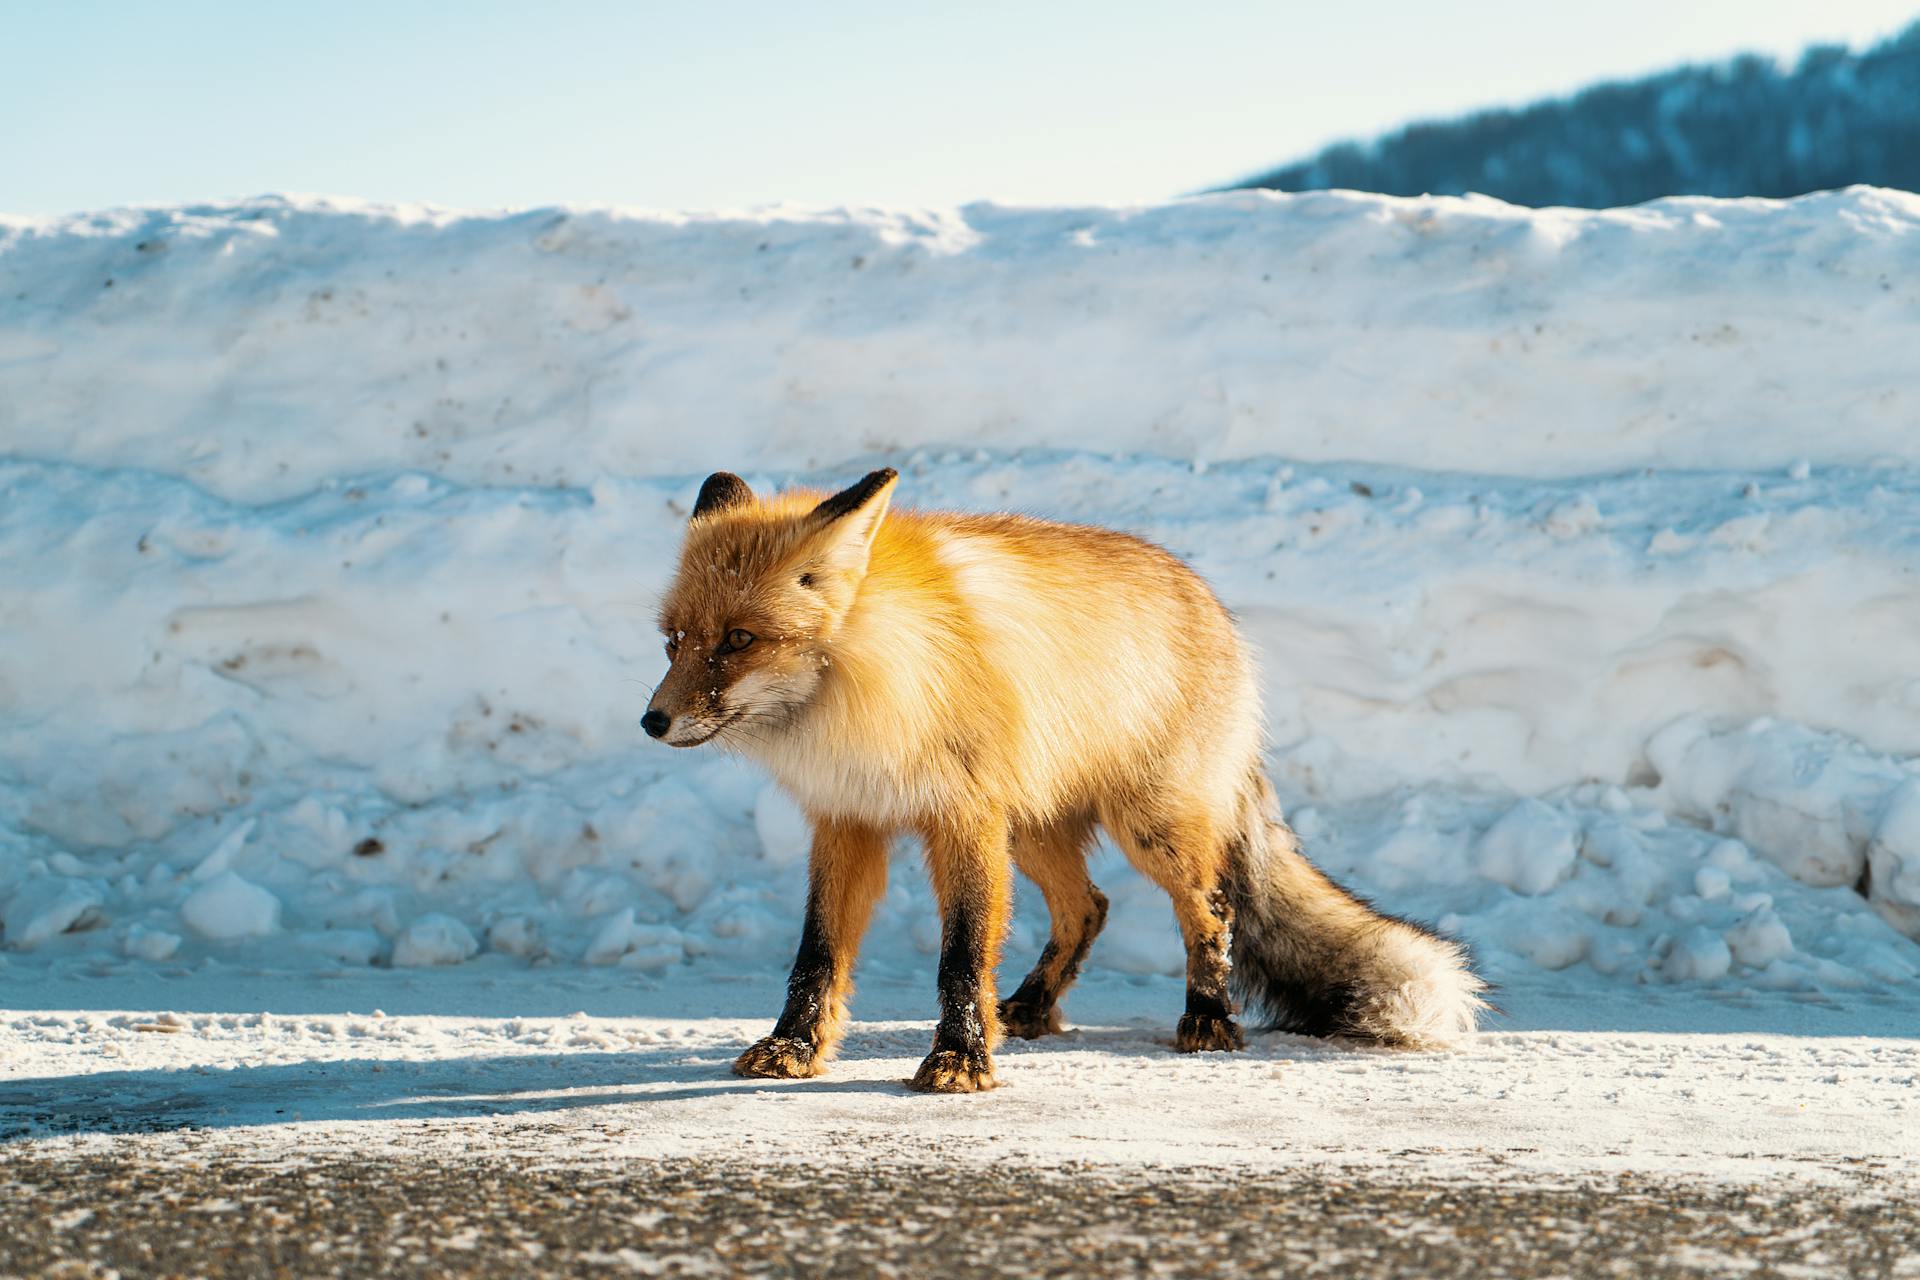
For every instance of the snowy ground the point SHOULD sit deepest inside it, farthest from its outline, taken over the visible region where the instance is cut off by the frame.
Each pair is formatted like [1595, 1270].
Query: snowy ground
[605, 1067]
[1580, 550]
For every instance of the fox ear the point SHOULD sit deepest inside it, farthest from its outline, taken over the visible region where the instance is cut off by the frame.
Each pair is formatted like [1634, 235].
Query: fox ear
[722, 490]
[849, 519]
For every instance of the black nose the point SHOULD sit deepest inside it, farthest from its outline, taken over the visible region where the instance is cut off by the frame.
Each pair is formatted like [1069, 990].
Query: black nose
[655, 723]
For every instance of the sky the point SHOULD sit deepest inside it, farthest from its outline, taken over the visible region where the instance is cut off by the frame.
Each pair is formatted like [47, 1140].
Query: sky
[740, 104]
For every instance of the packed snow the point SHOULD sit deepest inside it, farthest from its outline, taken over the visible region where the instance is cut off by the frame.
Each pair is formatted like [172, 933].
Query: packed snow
[1579, 548]
[460, 1064]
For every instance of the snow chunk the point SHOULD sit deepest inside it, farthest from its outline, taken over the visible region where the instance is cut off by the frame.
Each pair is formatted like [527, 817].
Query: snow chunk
[45, 908]
[1556, 944]
[1712, 882]
[227, 907]
[1700, 956]
[647, 947]
[433, 939]
[1894, 857]
[1530, 849]
[143, 943]
[1760, 939]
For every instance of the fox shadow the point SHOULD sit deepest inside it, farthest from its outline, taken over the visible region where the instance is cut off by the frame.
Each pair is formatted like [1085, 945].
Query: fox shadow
[173, 1099]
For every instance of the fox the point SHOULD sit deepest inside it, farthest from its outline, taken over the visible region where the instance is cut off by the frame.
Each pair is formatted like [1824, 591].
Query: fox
[1004, 688]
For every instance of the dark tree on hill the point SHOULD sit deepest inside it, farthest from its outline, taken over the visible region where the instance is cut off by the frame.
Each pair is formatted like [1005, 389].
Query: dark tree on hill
[1746, 127]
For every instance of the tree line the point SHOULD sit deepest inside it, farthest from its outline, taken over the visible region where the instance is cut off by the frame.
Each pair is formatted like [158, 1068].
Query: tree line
[1749, 126]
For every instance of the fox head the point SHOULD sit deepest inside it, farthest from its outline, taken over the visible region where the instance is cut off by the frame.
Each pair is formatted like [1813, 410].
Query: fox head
[749, 619]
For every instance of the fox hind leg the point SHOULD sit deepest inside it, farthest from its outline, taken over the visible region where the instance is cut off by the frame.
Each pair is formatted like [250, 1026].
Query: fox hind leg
[846, 873]
[1055, 859]
[1184, 855]
[1207, 927]
[972, 875]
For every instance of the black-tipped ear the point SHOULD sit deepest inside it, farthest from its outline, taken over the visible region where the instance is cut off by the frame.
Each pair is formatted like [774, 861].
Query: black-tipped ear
[846, 523]
[855, 496]
[722, 490]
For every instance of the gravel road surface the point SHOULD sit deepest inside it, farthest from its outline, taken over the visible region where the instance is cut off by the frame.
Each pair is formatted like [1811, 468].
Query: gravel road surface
[120, 1213]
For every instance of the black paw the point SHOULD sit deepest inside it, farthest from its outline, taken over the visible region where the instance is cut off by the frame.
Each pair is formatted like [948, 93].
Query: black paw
[1029, 1021]
[1201, 1033]
[954, 1071]
[779, 1058]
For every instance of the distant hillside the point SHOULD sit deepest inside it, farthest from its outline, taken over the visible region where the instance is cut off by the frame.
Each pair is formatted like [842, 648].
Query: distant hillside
[1748, 126]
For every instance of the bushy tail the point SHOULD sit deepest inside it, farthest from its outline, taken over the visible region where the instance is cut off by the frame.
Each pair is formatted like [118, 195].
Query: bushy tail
[1317, 960]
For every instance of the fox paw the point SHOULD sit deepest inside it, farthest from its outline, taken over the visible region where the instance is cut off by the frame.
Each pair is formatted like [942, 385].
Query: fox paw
[1029, 1021]
[779, 1058]
[1201, 1032]
[954, 1071]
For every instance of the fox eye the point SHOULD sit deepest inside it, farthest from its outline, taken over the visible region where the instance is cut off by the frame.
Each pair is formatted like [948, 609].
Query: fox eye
[737, 640]
[673, 644]
[806, 579]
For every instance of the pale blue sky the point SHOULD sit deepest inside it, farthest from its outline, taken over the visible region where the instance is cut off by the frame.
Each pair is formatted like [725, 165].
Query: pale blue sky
[722, 105]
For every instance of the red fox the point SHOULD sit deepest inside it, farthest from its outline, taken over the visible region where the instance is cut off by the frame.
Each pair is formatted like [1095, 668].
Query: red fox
[999, 686]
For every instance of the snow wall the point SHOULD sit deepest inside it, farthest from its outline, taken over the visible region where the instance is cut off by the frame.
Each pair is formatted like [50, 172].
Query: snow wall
[1582, 550]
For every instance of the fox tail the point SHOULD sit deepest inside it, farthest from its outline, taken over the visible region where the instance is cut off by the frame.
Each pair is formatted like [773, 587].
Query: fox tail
[1317, 960]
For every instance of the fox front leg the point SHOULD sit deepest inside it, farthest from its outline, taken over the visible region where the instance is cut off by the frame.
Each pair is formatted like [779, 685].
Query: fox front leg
[972, 878]
[846, 874]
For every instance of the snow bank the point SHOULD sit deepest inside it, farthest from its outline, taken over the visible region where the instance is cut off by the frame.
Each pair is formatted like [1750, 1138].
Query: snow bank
[1579, 548]
[259, 349]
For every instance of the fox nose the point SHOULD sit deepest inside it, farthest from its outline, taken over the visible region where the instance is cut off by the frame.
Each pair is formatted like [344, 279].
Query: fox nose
[655, 723]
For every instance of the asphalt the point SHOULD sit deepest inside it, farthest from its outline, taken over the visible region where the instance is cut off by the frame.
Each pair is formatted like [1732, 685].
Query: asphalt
[119, 1212]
